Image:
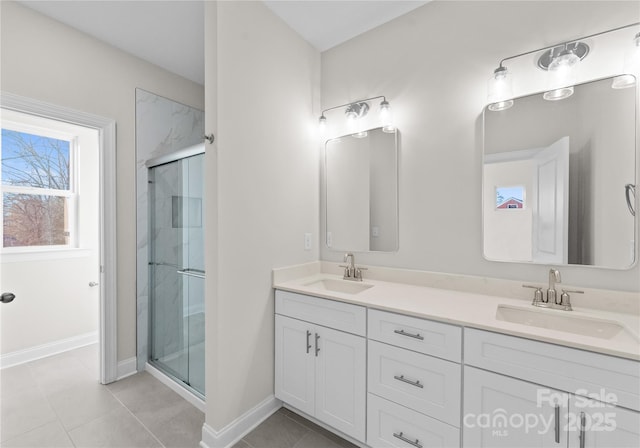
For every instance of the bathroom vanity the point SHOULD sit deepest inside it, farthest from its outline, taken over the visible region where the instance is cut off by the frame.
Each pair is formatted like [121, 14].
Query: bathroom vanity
[401, 365]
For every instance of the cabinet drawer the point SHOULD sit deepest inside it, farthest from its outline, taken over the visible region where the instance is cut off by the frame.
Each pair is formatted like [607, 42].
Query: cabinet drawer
[571, 370]
[420, 335]
[328, 313]
[392, 425]
[426, 384]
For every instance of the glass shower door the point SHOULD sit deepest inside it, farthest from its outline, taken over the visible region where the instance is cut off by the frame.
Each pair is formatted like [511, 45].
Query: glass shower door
[177, 270]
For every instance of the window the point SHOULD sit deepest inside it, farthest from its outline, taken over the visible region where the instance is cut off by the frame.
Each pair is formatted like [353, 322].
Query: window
[38, 188]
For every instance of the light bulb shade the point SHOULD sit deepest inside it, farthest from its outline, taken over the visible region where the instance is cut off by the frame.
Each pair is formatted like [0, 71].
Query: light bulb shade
[500, 89]
[558, 94]
[623, 82]
[562, 76]
[322, 126]
[386, 117]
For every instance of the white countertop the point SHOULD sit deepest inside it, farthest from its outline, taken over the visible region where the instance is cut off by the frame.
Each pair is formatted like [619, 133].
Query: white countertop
[472, 310]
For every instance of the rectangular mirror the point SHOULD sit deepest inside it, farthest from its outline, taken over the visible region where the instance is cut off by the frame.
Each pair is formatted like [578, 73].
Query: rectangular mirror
[361, 191]
[559, 179]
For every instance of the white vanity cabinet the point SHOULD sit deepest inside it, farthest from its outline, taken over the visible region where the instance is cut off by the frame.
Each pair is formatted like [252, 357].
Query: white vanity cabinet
[414, 397]
[320, 360]
[519, 392]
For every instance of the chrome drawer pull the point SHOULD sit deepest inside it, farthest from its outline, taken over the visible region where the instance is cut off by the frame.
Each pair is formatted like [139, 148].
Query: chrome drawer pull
[308, 344]
[557, 418]
[404, 439]
[413, 383]
[411, 335]
[583, 423]
[317, 345]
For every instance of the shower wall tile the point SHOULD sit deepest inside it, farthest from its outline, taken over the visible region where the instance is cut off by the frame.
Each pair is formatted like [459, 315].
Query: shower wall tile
[162, 127]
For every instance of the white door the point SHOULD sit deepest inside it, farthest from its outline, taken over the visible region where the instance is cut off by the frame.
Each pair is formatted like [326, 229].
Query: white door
[594, 425]
[551, 206]
[500, 411]
[341, 381]
[295, 363]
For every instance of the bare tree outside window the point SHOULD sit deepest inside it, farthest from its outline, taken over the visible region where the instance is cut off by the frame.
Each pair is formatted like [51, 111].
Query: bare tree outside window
[36, 190]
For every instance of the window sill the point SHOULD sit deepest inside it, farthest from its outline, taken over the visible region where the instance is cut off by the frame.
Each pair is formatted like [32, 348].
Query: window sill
[43, 254]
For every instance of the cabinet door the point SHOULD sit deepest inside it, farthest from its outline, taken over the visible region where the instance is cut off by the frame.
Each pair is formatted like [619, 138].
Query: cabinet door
[500, 411]
[594, 425]
[295, 363]
[341, 381]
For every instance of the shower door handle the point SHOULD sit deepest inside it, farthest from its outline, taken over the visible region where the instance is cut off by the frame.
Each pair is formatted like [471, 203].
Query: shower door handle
[191, 273]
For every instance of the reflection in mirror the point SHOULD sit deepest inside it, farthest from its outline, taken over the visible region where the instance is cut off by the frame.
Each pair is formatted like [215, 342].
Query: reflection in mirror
[571, 161]
[361, 190]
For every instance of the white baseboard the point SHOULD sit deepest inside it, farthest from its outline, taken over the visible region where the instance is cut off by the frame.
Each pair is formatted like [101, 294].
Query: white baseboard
[51, 348]
[127, 368]
[237, 429]
[177, 388]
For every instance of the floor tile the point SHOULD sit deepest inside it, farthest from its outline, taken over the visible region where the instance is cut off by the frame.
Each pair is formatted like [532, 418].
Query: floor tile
[313, 439]
[119, 429]
[89, 357]
[182, 430]
[60, 372]
[149, 399]
[316, 428]
[82, 404]
[278, 431]
[17, 386]
[51, 435]
[17, 419]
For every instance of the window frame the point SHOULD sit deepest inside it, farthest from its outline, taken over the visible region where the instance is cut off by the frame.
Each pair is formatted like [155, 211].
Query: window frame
[71, 194]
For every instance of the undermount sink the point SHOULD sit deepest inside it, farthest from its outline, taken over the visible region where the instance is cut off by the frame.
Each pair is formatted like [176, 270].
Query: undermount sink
[343, 286]
[586, 326]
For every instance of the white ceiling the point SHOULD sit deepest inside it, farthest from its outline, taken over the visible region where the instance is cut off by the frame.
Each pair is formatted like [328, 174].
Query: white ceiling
[171, 33]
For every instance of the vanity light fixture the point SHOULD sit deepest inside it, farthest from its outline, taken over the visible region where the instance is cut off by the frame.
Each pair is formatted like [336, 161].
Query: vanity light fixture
[359, 109]
[561, 61]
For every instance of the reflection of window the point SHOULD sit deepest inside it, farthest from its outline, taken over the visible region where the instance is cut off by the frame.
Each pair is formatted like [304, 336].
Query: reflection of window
[37, 186]
[510, 197]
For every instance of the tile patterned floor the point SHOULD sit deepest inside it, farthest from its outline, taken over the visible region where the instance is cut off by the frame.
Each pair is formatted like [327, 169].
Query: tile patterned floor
[285, 429]
[58, 402]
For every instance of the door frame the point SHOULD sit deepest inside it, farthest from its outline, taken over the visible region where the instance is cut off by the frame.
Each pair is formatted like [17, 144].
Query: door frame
[106, 128]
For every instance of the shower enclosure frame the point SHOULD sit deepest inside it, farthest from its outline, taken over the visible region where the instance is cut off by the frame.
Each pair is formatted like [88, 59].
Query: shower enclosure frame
[175, 156]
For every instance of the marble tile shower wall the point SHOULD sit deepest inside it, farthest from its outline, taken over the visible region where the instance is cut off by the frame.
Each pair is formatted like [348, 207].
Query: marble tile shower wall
[162, 127]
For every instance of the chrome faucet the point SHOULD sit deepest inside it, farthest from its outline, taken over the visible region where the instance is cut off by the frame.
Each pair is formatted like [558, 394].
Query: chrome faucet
[351, 272]
[552, 299]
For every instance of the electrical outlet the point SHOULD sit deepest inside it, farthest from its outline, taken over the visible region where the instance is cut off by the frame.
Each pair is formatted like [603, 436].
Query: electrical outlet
[307, 241]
